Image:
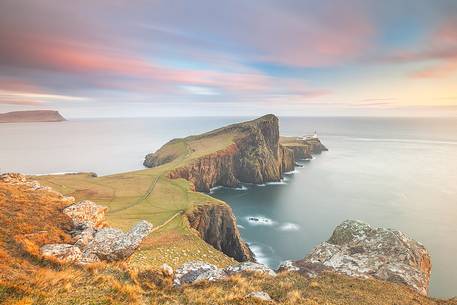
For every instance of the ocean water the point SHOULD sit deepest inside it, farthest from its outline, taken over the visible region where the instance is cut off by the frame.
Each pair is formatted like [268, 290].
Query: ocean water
[398, 172]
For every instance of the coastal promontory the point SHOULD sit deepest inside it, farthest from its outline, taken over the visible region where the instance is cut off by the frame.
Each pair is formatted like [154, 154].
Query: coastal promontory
[31, 116]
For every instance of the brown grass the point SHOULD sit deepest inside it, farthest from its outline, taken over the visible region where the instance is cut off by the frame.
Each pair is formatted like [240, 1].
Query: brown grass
[31, 219]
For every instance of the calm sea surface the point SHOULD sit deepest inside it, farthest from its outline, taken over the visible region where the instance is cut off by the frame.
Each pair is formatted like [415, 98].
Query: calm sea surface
[398, 173]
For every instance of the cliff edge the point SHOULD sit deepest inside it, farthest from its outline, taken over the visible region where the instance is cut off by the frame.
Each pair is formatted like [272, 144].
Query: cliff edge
[247, 152]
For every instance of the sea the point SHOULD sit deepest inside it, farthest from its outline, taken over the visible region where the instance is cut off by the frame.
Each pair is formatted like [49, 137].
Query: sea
[399, 173]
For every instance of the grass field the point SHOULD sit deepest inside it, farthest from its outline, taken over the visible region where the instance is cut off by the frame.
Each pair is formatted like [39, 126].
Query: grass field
[149, 195]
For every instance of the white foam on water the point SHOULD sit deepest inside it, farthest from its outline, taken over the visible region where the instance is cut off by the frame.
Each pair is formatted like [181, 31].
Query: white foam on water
[260, 221]
[259, 254]
[291, 172]
[241, 188]
[211, 190]
[289, 226]
[276, 182]
[241, 227]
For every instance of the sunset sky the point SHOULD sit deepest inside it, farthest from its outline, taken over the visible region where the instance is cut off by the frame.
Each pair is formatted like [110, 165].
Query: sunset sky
[163, 58]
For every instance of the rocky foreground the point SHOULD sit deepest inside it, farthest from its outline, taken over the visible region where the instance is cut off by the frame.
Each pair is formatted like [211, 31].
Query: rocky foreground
[40, 225]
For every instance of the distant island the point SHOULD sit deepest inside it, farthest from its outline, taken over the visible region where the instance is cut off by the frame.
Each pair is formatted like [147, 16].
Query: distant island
[31, 116]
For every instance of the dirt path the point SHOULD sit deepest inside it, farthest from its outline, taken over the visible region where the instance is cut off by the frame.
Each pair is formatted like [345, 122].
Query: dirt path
[142, 198]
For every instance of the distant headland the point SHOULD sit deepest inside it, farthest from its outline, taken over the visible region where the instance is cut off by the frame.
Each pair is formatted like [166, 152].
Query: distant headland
[31, 116]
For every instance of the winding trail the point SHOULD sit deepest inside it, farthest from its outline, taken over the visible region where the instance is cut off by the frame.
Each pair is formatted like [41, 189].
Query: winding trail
[142, 198]
[168, 221]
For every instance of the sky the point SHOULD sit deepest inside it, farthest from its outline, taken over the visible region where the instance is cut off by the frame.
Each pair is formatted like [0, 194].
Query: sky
[120, 58]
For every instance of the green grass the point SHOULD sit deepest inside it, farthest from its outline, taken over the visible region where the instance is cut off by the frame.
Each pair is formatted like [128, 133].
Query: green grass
[149, 195]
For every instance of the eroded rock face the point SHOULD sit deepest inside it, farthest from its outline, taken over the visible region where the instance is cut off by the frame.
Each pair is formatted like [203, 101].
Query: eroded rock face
[357, 249]
[216, 225]
[254, 157]
[112, 244]
[86, 214]
[64, 252]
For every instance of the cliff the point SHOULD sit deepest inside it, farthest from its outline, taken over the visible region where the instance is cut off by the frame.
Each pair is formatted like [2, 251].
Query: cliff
[217, 226]
[248, 152]
[31, 116]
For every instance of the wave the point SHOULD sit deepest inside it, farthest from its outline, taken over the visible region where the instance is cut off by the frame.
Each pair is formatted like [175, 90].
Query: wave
[276, 182]
[259, 253]
[240, 188]
[289, 226]
[260, 220]
[291, 172]
[241, 227]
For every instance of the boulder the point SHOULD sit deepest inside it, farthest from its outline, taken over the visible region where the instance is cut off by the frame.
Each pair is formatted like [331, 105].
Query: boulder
[112, 244]
[86, 213]
[287, 266]
[63, 252]
[189, 272]
[84, 237]
[259, 295]
[166, 270]
[249, 267]
[196, 271]
[357, 249]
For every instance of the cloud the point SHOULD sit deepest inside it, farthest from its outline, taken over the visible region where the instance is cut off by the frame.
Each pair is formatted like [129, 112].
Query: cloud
[439, 53]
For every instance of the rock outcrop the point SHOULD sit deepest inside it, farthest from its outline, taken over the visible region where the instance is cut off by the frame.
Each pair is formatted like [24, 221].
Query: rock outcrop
[112, 244]
[86, 213]
[64, 252]
[196, 271]
[216, 225]
[303, 148]
[95, 242]
[254, 156]
[357, 249]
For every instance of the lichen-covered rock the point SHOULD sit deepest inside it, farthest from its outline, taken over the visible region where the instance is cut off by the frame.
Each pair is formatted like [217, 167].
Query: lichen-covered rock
[357, 249]
[259, 295]
[249, 267]
[196, 271]
[112, 244]
[189, 272]
[84, 237]
[211, 275]
[86, 213]
[63, 252]
[287, 266]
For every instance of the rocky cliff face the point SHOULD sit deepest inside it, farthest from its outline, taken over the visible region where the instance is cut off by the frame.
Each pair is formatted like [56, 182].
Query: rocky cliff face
[217, 226]
[255, 156]
[357, 249]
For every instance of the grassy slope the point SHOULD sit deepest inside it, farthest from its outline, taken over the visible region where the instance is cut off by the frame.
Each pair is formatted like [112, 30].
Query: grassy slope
[149, 195]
